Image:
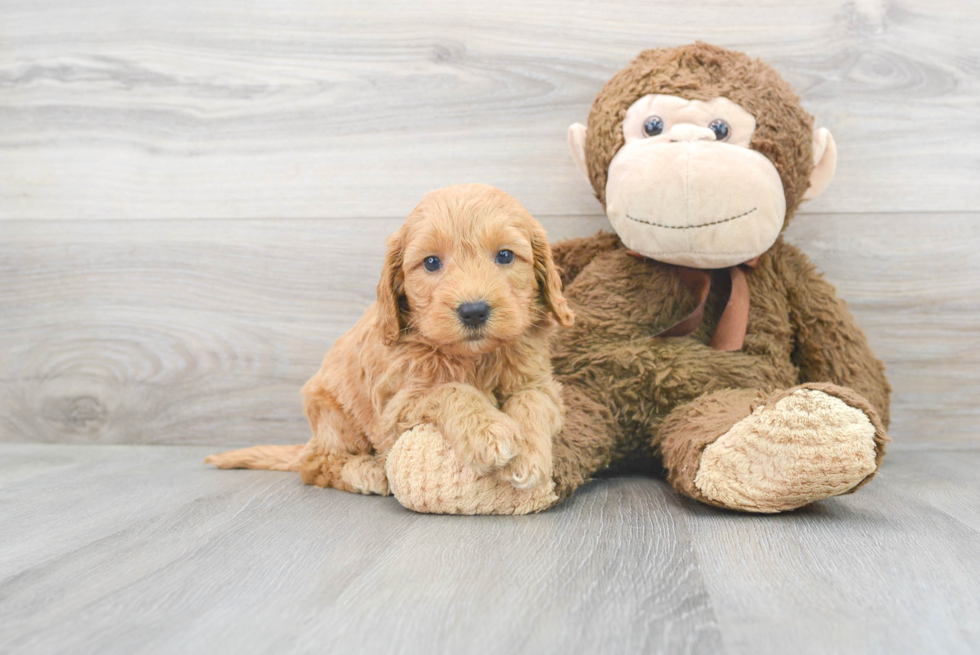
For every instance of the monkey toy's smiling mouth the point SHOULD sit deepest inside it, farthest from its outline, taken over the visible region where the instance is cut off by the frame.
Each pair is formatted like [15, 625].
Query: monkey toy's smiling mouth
[691, 227]
[701, 204]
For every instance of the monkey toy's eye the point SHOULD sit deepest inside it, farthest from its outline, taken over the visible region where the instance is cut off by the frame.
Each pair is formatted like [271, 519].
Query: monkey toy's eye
[653, 126]
[721, 129]
[505, 257]
[432, 264]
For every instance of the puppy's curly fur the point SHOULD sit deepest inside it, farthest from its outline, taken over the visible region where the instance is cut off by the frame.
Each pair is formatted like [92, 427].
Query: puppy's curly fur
[411, 359]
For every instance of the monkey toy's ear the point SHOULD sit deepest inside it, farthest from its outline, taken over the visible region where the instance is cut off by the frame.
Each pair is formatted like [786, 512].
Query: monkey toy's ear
[390, 290]
[576, 144]
[824, 163]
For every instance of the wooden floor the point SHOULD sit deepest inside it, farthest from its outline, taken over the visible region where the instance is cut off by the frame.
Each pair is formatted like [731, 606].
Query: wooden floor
[140, 549]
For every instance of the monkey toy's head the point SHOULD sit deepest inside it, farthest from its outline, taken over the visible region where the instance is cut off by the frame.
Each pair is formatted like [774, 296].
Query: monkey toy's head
[700, 155]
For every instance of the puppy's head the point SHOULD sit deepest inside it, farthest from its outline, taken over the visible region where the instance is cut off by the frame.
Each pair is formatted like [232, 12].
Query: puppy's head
[469, 271]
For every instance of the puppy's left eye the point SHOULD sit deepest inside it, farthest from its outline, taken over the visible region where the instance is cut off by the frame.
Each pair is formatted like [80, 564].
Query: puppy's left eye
[505, 257]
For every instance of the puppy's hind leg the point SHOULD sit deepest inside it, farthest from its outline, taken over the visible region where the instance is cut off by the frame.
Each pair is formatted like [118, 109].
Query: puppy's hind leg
[338, 454]
[365, 474]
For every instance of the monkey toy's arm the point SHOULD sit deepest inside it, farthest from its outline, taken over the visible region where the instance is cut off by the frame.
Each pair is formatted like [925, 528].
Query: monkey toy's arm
[830, 347]
[572, 255]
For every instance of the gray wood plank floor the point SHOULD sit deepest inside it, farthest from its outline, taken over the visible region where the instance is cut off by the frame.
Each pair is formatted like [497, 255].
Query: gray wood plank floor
[140, 549]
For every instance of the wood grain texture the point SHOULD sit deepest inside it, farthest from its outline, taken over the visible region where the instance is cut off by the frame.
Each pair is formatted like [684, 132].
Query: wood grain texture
[133, 110]
[184, 332]
[141, 549]
[913, 282]
[179, 331]
[843, 576]
[936, 481]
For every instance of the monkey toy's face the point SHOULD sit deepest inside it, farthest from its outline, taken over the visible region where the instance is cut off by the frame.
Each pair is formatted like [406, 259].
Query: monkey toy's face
[686, 187]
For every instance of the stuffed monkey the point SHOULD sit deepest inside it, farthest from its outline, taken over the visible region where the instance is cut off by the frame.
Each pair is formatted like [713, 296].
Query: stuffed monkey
[703, 341]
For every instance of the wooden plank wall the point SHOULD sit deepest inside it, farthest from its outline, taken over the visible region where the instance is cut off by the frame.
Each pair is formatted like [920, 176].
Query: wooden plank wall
[194, 195]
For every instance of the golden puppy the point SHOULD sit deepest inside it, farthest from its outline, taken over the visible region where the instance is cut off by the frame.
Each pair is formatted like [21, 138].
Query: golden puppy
[457, 338]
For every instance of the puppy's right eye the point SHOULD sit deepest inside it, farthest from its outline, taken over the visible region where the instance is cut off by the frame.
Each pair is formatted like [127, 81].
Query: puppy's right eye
[505, 257]
[432, 264]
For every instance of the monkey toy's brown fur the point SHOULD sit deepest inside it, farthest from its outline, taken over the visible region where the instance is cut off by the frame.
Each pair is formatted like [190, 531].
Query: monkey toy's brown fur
[798, 414]
[637, 395]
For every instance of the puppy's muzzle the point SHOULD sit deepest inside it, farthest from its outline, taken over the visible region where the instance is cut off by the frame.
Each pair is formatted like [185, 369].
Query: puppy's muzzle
[473, 314]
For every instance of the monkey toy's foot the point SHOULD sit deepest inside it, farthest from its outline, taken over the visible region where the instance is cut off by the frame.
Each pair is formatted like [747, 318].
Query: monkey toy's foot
[425, 476]
[800, 445]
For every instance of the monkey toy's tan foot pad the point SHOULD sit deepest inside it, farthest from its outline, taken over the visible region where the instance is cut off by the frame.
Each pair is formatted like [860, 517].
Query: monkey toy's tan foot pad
[805, 444]
[425, 476]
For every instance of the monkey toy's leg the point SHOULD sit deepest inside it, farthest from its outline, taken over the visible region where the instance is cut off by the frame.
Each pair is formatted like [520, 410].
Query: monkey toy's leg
[587, 443]
[425, 475]
[746, 450]
[338, 455]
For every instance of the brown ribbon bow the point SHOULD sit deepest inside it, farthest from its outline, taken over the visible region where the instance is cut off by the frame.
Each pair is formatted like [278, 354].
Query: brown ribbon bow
[734, 321]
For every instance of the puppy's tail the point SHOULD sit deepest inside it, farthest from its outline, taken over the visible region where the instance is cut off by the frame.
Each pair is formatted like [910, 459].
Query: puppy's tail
[268, 458]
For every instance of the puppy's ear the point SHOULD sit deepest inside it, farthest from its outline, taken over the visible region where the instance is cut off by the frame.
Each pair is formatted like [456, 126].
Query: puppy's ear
[391, 288]
[549, 280]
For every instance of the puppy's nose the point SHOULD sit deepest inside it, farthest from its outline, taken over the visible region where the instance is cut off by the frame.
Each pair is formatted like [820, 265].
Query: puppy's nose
[474, 314]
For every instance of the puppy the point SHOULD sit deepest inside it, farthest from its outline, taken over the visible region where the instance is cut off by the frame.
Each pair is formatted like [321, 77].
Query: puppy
[459, 338]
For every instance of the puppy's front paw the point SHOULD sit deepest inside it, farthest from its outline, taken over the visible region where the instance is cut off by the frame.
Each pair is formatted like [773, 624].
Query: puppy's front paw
[426, 476]
[489, 447]
[527, 471]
